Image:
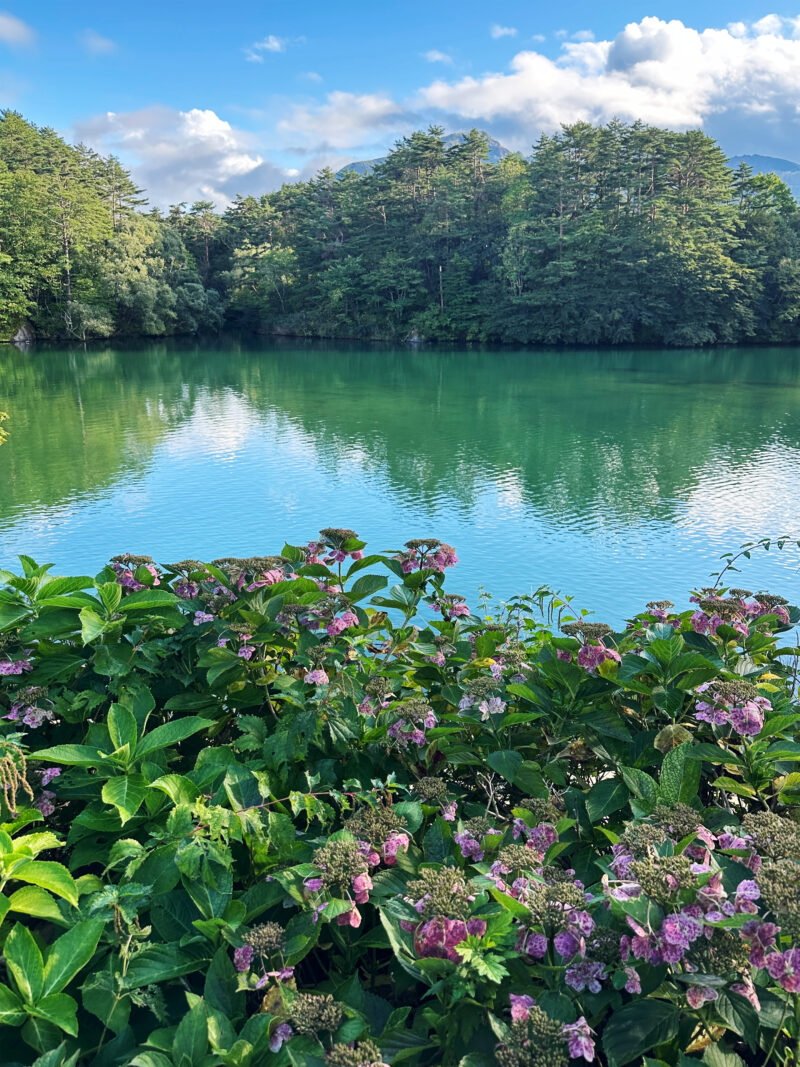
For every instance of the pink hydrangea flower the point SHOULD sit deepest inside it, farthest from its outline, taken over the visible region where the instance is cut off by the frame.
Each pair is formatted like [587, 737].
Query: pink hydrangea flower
[698, 995]
[317, 677]
[362, 883]
[520, 1007]
[349, 918]
[392, 845]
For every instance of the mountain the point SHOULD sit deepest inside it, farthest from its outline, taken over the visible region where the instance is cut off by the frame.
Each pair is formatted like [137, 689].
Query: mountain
[765, 164]
[787, 171]
[496, 152]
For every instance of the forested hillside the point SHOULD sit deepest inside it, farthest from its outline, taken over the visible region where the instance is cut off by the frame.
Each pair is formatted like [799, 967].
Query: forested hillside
[78, 258]
[623, 233]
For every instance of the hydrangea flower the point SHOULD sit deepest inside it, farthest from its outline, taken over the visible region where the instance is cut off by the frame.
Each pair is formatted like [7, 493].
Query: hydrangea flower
[578, 1036]
[317, 677]
[243, 957]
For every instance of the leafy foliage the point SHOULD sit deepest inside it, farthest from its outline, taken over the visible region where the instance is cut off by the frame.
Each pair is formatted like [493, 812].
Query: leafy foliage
[271, 810]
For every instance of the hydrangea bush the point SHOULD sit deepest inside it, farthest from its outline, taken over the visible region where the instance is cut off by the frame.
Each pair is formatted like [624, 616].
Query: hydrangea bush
[311, 809]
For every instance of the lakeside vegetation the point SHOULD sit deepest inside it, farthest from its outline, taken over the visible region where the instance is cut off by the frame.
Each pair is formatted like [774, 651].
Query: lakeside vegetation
[615, 234]
[313, 809]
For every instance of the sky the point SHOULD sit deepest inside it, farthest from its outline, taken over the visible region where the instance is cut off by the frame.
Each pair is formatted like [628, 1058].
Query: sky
[207, 102]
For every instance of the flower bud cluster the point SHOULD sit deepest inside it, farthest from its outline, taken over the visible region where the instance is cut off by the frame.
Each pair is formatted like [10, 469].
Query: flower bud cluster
[314, 1013]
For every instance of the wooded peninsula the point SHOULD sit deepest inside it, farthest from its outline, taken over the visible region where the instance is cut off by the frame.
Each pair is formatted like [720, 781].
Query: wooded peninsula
[618, 234]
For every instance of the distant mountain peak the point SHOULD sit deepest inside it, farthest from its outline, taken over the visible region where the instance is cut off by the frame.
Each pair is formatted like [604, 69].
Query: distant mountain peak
[497, 152]
[766, 164]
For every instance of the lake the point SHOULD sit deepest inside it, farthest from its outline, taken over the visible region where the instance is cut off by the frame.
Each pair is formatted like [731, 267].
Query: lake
[618, 476]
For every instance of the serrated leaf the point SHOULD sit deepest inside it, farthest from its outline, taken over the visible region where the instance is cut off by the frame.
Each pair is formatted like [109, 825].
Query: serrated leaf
[37, 902]
[122, 727]
[506, 762]
[24, 961]
[59, 1009]
[70, 954]
[12, 1012]
[170, 734]
[49, 875]
[126, 793]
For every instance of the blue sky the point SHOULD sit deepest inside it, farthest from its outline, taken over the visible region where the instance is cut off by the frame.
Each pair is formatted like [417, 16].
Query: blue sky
[204, 101]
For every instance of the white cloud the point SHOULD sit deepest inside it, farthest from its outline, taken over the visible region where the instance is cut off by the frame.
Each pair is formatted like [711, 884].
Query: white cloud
[538, 38]
[255, 52]
[497, 31]
[312, 76]
[183, 155]
[96, 44]
[344, 120]
[14, 31]
[583, 35]
[434, 56]
[661, 72]
[768, 24]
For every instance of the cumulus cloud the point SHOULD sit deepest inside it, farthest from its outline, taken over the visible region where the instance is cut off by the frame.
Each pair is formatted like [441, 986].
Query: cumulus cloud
[96, 44]
[14, 31]
[183, 155]
[498, 31]
[583, 35]
[344, 120]
[312, 76]
[254, 53]
[435, 56]
[664, 72]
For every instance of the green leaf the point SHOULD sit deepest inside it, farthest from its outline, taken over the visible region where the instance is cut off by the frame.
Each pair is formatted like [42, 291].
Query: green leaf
[92, 625]
[640, 783]
[12, 611]
[717, 1056]
[366, 586]
[60, 1010]
[160, 963]
[146, 599]
[70, 954]
[126, 793]
[12, 1012]
[150, 1058]
[170, 734]
[680, 775]
[605, 797]
[110, 594]
[100, 997]
[122, 727]
[57, 1057]
[49, 875]
[739, 1014]
[506, 762]
[32, 900]
[71, 755]
[178, 788]
[639, 1026]
[60, 586]
[191, 1038]
[24, 961]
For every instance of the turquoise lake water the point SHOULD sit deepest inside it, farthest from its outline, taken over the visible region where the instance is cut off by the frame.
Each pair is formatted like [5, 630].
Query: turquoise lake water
[616, 476]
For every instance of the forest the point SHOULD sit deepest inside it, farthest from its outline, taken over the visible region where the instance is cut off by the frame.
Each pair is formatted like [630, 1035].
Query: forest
[618, 234]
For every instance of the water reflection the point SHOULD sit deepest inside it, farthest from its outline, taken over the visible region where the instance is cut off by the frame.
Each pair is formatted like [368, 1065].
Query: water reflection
[616, 475]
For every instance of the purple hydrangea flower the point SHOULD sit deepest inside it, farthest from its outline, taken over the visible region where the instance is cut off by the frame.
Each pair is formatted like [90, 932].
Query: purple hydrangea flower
[281, 1033]
[243, 957]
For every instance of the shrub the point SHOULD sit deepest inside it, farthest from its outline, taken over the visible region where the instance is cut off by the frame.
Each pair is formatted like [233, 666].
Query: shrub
[266, 811]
